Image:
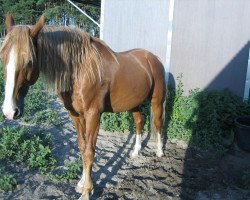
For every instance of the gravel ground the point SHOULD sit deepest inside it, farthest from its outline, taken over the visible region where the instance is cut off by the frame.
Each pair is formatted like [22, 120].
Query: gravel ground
[183, 173]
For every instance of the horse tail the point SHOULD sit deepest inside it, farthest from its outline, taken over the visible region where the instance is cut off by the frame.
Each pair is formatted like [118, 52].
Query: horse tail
[152, 124]
[158, 101]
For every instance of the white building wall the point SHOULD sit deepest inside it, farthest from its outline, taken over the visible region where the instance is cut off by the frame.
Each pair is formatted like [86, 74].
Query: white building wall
[128, 24]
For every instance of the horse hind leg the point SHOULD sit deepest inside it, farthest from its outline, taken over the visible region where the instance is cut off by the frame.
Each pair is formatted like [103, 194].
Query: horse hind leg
[157, 110]
[138, 124]
[157, 116]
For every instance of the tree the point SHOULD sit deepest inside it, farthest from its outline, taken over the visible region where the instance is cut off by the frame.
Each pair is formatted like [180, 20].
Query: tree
[57, 13]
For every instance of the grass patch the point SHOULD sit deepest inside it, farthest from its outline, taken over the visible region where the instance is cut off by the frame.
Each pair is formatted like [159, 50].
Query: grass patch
[34, 150]
[7, 181]
[70, 171]
[19, 146]
[121, 122]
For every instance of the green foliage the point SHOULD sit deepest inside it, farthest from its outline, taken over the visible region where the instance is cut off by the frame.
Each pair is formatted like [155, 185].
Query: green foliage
[17, 144]
[72, 170]
[36, 99]
[48, 117]
[124, 121]
[203, 118]
[7, 181]
[57, 12]
[116, 122]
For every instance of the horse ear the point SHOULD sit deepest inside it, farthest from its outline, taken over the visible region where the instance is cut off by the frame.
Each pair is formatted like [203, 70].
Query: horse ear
[9, 21]
[37, 27]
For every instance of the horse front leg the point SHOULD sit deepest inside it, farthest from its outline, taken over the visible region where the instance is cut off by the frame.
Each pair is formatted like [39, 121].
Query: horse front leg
[80, 125]
[87, 130]
[92, 119]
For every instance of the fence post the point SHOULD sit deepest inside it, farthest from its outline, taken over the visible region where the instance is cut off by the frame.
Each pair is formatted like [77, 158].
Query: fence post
[169, 39]
[247, 83]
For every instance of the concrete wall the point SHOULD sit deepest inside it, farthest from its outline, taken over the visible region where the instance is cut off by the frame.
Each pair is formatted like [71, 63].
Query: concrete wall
[129, 24]
[210, 41]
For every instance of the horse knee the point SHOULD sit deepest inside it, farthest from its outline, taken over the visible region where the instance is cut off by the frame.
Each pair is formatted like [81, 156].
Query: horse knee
[88, 155]
[158, 124]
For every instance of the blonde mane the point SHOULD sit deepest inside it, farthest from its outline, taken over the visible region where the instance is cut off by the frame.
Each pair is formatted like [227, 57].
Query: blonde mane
[67, 54]
[63, 54]
[19, 39]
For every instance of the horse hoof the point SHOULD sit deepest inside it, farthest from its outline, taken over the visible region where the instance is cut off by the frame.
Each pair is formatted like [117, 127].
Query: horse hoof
[134, 154]
[84, 197]
[159, 154]
[87, 195]
[78, 189]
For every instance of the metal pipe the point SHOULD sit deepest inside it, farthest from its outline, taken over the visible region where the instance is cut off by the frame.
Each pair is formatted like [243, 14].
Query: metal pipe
[169, 40]
[102, 18]
[247, 83]
[83, 13]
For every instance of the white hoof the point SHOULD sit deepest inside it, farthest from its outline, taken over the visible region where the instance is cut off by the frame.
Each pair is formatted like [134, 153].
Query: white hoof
[159, 153]
[80, 184]
[78, 189]
[134, 154]
[84, 197]
[137, 147]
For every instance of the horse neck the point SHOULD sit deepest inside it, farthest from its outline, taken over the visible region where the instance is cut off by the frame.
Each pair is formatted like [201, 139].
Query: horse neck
[52, 65]
[105, 50]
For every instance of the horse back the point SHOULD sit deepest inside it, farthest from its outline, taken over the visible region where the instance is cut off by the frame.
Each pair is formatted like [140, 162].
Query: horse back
[134, 78]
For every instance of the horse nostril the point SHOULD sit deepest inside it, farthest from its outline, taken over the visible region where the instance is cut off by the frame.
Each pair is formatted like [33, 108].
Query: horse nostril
[17, 113]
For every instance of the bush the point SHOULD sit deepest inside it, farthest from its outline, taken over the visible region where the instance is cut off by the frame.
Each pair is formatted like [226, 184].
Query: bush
[204, 118]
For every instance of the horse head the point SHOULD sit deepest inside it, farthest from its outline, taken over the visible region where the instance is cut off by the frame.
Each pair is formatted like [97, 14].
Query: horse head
[19, 56]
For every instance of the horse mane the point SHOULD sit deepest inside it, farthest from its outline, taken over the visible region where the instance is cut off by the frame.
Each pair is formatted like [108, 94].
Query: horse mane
[19, 39]
[66, 54]
[63, 54]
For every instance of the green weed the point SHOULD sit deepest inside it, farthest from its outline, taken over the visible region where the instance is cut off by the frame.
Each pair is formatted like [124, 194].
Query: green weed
[72, 170]
[121, 122]
[7, 181]
[17, 144]
[203, 118]
[48, 117]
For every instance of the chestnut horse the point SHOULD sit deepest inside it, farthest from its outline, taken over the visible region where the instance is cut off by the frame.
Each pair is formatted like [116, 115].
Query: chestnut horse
[89, 78]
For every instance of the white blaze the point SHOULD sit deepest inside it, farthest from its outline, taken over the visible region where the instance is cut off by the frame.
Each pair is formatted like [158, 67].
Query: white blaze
[8, 104]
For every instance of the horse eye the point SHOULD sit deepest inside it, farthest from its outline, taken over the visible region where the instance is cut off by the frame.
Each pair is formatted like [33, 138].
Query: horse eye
[29, 64]
[26, 82]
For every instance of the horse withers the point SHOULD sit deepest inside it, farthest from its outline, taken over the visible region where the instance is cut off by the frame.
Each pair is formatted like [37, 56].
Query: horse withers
[89, 78]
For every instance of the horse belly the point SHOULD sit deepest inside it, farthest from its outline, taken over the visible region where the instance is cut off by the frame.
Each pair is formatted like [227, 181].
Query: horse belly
[129, 92]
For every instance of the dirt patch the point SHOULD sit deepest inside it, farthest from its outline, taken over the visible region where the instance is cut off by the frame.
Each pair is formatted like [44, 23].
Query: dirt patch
[183, 173]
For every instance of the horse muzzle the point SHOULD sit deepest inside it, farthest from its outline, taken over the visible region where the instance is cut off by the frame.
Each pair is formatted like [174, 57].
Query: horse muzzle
[12, 114]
